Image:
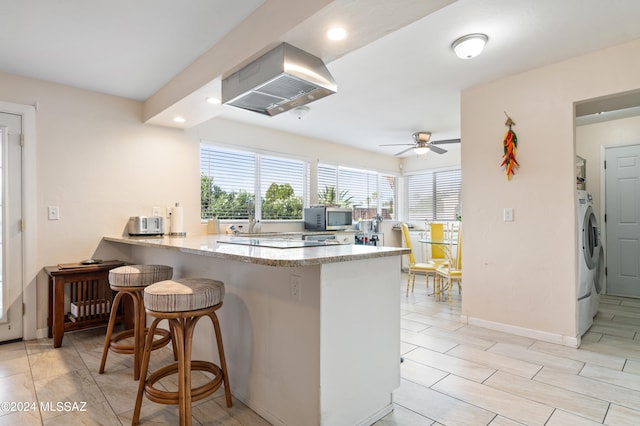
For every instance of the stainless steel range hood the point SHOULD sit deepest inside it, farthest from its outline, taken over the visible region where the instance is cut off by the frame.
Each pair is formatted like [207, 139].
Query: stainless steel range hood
[283, 78]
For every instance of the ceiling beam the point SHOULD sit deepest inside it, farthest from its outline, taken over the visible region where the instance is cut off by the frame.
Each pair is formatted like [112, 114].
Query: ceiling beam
[259, 32]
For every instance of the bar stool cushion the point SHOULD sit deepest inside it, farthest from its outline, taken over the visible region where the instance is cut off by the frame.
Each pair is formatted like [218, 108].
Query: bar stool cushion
[139, 275]
[185, 294]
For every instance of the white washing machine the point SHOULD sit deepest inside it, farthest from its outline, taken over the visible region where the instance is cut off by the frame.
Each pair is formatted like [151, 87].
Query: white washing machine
[598, 283]
[589, 252]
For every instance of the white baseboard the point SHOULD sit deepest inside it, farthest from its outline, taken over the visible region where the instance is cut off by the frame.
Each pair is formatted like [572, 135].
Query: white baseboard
[544, 336]
[42, 333]
[261, 411]
[268, 416]
[377, 416]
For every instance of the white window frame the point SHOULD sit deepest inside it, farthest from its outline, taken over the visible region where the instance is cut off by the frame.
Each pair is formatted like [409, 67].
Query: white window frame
[257, 190]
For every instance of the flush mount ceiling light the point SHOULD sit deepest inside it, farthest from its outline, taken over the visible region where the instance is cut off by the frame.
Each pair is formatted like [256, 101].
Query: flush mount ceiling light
[179, 119]
[470, 45]
[213, 100]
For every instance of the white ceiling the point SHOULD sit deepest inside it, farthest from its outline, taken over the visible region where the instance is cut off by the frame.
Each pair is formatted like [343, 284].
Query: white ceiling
[120, 47]
[396, 73]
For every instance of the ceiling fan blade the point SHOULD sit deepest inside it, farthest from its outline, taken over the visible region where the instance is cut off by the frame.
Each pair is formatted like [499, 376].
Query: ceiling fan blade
[437, 149]
[403, 151]
[445, 141]
[422, 142]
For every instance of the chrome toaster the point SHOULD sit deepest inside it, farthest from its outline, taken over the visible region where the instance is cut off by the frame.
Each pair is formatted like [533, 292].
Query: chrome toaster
[146, 225]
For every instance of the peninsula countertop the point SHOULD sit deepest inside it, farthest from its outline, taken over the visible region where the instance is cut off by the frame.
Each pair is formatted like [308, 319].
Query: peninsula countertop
[292, 318]
[224, 246]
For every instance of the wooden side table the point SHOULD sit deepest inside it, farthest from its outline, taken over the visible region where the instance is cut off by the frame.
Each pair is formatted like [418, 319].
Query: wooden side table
[90, 294]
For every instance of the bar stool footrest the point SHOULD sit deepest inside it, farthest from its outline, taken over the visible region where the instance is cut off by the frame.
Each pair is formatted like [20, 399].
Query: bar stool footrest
[171, 397]
[127, 348]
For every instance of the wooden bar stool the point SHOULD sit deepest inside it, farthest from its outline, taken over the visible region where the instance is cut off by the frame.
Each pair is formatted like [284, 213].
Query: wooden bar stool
[182, 303]
[131, 280]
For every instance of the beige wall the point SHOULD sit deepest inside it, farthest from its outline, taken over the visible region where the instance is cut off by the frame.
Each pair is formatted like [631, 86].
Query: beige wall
[315, 150]
[97, 161]
[521, 276]
[100, 165]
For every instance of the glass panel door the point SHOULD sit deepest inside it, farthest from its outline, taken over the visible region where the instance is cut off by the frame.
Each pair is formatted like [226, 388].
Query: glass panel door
[10, 227]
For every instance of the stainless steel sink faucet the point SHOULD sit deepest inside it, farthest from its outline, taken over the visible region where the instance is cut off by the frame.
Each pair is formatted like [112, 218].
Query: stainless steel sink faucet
[251, 218]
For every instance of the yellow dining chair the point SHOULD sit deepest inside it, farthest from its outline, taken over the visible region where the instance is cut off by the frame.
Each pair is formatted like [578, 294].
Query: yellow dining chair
[428, 268]
[452, 272]
[438, 251]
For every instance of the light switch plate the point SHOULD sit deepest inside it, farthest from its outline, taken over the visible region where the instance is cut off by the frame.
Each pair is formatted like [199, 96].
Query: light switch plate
[508, 214]
[53, 213]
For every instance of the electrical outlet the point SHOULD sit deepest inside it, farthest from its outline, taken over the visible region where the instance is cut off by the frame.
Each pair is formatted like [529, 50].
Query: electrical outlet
[296, 287]
[155, 211]
[53, 212]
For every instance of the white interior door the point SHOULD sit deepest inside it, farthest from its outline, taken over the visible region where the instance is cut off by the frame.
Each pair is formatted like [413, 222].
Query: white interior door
[10, 227]
[622, 180]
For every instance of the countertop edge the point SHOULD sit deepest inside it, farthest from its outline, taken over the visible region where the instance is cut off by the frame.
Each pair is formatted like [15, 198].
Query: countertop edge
[180, 244]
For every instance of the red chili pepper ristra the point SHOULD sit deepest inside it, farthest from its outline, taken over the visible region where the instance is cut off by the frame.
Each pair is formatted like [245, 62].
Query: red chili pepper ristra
[510, 145]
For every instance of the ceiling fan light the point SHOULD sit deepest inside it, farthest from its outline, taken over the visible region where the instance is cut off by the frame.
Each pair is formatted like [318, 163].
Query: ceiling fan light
[421, 136]
[420, 150]
[470, 45]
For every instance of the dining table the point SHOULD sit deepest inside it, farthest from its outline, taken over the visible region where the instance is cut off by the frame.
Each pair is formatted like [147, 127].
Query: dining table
[447, 244]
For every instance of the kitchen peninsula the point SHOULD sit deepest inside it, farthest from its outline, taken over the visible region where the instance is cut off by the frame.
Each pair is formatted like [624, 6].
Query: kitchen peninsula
[311, 334]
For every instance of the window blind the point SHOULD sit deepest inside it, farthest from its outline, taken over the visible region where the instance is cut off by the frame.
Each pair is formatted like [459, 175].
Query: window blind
[434, 196]
[368, 192]
[282, 183]
[235, 184]
[363, 191]
[327, 181]
[228, 181]
[387, 196]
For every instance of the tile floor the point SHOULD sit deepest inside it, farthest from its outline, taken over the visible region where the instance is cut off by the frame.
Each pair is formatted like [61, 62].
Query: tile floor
[456, 374]
[37, 374]
[452, 374]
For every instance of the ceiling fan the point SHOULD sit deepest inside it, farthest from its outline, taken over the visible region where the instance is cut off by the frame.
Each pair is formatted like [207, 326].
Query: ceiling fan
[423, 144]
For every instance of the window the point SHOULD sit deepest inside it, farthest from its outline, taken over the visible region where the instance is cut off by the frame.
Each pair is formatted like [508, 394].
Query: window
[328, 192]
[281, 188]
[434, 196]
[387, 196]
[227, 183]
[368, 192]
[236, 184]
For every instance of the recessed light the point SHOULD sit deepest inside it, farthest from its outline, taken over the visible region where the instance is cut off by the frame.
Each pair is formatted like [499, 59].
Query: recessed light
[337, 34]
[213, 100]
[179, 119]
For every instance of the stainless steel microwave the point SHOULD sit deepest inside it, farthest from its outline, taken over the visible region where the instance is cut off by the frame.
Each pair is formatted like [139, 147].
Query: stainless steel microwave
[323, 218]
